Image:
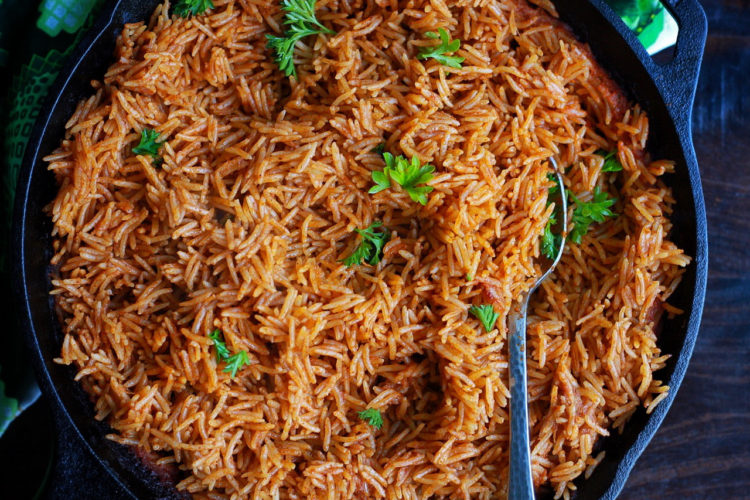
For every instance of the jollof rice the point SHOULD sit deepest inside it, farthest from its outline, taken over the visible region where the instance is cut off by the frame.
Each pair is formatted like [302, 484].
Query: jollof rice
[243, 226]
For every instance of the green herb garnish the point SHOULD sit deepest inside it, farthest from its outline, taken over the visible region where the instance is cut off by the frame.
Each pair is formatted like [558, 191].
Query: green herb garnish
[554, 189]
[233, 361]
[370, 249]
[148, 145]
[550, 241]
[406, 174]
[372, 416]
[486, 315]
[438, 52]
[379, 149]
[222, 352]
[302, 12]
[186, 8]
[301, 22]
[469, 277]
[611, 163]
[588, 212]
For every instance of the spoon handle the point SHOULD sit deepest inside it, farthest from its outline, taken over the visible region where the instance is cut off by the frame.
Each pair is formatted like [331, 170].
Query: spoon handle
[521, 485]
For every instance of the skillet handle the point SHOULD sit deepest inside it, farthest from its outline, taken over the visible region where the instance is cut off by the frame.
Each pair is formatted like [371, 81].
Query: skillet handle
[677, 80]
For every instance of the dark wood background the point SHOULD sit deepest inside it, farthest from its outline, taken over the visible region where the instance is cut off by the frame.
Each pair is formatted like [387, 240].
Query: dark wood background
[702, 450]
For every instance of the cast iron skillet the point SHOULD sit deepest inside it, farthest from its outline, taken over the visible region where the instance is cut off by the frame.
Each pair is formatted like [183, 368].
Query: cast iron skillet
[665, 92]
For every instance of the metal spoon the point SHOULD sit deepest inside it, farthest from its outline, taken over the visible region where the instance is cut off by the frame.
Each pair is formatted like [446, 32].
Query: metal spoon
[521, 485]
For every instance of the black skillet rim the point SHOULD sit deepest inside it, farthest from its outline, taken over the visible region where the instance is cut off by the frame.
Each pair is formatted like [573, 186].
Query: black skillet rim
[679, 106]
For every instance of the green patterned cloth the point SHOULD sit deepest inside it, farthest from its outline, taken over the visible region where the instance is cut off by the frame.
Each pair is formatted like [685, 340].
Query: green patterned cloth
[35, 38]
[67, 15]
[46, 34]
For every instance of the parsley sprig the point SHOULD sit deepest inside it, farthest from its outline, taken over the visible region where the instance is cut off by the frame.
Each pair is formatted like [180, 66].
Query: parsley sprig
[372, 416]
[222, 352]
[555, 188]
[439, 52]
[187, 8]
[486, 315]
[148, 145]
[379, 149]
[611, 163]
[584, 214]
[407, 174]
[551, 241]
[302, 12]
[588, 212]
[370, 249]
[233, 362]
[300, 20]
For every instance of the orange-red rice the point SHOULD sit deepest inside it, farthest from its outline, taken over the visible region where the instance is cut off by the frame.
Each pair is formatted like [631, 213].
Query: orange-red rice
[243, 227]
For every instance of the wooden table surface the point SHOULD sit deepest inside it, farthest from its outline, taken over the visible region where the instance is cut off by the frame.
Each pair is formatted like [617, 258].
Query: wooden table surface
[702, 450]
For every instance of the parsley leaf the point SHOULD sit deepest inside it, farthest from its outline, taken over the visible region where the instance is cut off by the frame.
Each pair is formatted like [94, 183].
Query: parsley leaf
[554, 189]
[379, 149]
[222, 352]
[382, 182]
[301, 22]
[372, 416]
[148, 145]
[550, 241]
[588, 212]
[406, 174]
[370, 249]
[235, 362]
[486, 314]
[283, 52]
[611, 163]
[302, 12]
[186, 8]
[438, 52]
